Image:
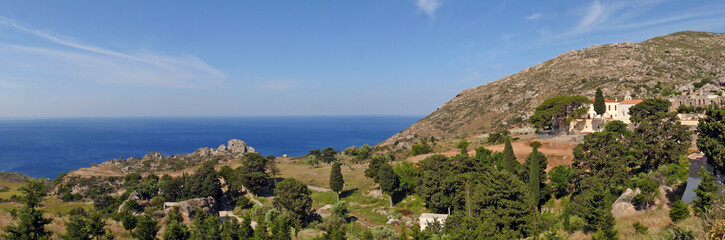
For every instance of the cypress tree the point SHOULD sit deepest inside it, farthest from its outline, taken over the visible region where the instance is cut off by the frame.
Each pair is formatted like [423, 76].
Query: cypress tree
[599, 105]
[534, 172]
[705, 192]
[509, 159]
[388, 180]
[336, 180]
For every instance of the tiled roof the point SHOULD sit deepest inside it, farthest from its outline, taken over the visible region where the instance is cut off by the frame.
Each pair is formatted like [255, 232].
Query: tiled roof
[633, 101]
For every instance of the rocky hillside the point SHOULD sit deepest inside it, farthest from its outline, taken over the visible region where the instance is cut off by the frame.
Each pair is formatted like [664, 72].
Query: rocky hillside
[650, 68]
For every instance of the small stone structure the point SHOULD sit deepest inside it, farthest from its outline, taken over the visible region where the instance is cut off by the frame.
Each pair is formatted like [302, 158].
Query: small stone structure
[428, 218]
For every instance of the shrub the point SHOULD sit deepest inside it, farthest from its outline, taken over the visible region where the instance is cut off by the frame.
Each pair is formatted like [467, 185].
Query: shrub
[419, 149]
[382, 233]
[639, 228]
[340, 210]
[157, 202]
[243, 202]
[679, 211]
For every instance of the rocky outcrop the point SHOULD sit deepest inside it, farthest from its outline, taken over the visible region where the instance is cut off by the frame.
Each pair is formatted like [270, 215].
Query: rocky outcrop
[155, 161]
[189, 207]
[152, 156]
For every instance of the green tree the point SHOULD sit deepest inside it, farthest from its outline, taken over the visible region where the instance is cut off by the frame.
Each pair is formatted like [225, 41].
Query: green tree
[204, 182]
[388, 181]
[710, 139]
[463, 145]
[594, 206]
[96, 225]
[77, 229]
[245, 230]
[601, 159]
[705, 192]
[293, 198]
[171, 188]
[562, 180]
[500, 199]
[606, 229]
[129, 221]
[599, 106]
[679, 211]
[312, 160]
[281, 228]
[261, 233]
[407, 174]
[534, 174]
[440, 185]
[563, 109]
[206, 228]
[649, 192]
[328, 155]
[336, 180]
[147, 228]
[419, 148]
[31, 224]
[176, 231]
[659, 138]
[375, 163]
[273, 170]
[253, 172]
[509, 158]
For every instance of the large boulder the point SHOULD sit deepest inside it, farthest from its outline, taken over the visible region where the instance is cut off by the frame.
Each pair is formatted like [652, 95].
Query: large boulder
[237, 146]
[189, 207]
[623, 206]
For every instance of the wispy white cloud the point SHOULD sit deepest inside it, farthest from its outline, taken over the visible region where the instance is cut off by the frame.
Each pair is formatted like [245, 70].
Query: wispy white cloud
[618, 16]
[74, 60]
[533, 16]
[278, 85]
[429, 7]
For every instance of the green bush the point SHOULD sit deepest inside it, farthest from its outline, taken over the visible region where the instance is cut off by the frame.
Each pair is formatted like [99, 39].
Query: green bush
[679, 211]
[340, 210]
[639, 228]
[419, 149]
[243, 202]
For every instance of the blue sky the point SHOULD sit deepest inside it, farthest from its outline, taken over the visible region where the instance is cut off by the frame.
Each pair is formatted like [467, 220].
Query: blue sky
[251, 58]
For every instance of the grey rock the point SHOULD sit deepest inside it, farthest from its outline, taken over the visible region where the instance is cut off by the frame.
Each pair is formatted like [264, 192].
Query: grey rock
[189, 207]
[238, 146]
[622, 207]
[152, 156]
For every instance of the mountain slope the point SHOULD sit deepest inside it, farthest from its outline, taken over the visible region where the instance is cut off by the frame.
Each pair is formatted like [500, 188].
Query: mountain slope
[671, 60]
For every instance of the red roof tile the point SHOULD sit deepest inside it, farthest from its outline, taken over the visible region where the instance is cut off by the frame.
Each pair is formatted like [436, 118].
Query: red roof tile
[633, 101]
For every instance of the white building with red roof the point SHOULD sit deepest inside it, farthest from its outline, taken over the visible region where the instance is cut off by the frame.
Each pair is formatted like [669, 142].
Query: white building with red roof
[614, 110]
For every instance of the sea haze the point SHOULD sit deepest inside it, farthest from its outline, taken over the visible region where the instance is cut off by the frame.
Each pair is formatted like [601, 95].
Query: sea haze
[48, 147]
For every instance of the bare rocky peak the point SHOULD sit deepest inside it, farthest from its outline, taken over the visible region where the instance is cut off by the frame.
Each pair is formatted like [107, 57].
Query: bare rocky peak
[675, 61]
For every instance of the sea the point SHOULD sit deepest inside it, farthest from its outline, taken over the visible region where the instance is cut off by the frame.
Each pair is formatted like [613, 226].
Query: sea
[49, 147]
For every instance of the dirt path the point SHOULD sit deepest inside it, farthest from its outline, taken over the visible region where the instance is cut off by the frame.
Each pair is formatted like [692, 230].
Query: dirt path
[558, 153]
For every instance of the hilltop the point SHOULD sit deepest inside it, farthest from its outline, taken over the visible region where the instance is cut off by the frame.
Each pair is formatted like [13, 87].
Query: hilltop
[646, 69]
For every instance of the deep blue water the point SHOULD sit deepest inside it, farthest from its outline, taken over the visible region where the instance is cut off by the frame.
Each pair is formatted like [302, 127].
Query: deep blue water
[48, 147]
